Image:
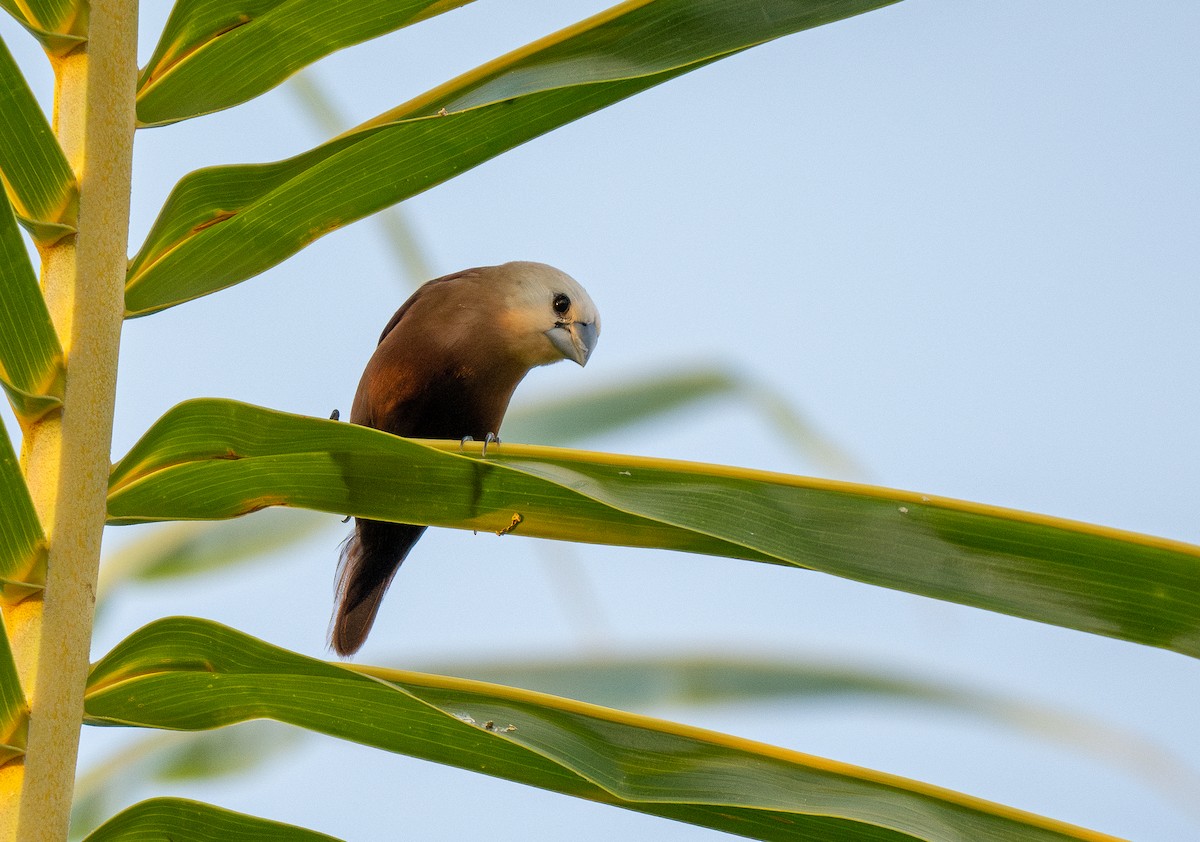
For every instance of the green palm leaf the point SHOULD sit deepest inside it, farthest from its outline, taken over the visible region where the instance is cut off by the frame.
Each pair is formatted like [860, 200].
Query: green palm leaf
[189, 821]
[223, 225]
[190, 674]
[61, 25]
[213, 55]
[14, 710]
[35, 172]
[22, 541]
[215, 459]
[190, 548]
[31, 360]
[646, 682]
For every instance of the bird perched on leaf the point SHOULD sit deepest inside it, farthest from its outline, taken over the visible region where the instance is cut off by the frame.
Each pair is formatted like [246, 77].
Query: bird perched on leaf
[445, 368]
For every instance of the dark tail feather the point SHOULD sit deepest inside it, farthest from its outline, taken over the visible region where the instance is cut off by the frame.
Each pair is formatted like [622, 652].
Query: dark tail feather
[370, 558]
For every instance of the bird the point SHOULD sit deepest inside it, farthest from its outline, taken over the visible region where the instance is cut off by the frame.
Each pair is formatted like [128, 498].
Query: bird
[446, 366]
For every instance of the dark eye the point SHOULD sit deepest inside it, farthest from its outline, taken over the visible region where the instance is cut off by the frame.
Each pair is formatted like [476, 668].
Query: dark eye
[561, 304]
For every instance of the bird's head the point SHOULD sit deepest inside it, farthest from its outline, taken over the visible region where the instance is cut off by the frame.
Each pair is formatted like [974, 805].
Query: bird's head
[552, 316]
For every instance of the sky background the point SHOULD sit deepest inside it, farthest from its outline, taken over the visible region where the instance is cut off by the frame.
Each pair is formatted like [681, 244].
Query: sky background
[960, 238]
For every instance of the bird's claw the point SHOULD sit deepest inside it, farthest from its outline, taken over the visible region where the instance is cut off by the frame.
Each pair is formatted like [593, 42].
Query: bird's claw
[490, 438]
[335, 416]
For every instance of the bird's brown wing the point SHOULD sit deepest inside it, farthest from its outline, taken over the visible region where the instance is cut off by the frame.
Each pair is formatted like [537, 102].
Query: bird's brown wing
[421, 291]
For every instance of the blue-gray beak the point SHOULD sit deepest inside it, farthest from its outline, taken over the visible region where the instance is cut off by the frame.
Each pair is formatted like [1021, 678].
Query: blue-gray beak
[574, 340]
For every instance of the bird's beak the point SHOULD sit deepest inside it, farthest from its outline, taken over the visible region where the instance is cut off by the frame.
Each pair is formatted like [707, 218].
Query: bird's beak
[574, 340]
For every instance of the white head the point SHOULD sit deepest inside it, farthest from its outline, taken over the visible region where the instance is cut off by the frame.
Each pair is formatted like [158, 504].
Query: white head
[548, 309]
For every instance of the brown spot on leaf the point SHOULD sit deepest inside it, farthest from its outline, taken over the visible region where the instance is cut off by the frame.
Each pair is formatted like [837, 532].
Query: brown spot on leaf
[221, 216]
[264, 502]
[316, 232]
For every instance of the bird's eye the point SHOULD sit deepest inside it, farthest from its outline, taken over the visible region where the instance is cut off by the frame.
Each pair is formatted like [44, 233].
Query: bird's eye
[561, 304]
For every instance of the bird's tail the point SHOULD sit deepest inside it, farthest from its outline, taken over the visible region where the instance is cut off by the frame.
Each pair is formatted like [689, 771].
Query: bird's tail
[370, 558]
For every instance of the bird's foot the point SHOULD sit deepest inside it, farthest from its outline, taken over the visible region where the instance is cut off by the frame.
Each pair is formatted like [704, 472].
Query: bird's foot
[490, 438]
[335, 416]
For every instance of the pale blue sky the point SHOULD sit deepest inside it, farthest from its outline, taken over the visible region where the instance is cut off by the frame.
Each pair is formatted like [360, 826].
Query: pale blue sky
[960, 237]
